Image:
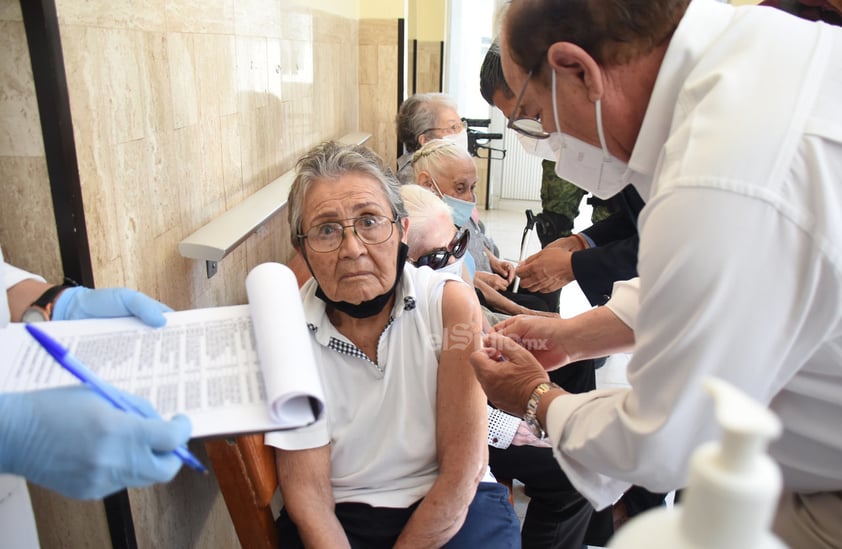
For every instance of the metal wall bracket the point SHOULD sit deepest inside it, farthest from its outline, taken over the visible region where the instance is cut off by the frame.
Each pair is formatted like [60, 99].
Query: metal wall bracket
[212, 267]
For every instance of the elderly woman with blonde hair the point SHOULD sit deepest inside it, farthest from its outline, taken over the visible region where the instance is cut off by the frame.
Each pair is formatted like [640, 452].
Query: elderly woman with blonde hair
[400, 459]
[449, 171]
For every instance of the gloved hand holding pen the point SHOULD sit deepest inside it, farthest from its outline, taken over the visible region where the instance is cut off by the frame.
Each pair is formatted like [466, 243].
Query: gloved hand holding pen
[73, 441]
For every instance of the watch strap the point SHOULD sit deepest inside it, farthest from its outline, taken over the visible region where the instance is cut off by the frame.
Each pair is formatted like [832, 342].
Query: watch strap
[531, 417]
[46, 301]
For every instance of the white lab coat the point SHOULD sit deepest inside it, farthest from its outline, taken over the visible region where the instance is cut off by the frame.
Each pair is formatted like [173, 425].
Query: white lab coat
[17, 522]
[740, 258]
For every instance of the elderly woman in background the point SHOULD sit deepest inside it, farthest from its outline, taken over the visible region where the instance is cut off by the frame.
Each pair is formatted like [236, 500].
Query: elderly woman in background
[434, 240]
[399, 459]
[422, 118]
[449, 171]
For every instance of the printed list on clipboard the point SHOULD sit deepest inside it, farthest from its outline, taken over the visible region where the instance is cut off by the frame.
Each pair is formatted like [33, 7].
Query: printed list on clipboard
[234, 369]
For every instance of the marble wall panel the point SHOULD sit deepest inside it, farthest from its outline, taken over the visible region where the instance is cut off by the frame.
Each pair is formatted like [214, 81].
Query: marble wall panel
[84, 522]
[368, 64]
[10, 10]
[258, 18]
[428, 67]
[385, 142]
[20, 125]
[183, 79]
[95, 174]
[232, 163]
[378, 52]
[181, 109]
[112, 87]
[201, 16]
[156, 99]
[297, 72]
[215, 62]
[410, 67]
[252, 73]
[299, 26]
[148, 15]
[207, 523]
[27, 233]
[276, 56]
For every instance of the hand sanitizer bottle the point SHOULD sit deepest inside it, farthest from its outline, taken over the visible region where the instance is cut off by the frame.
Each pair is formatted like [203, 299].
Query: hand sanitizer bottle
[732, 491]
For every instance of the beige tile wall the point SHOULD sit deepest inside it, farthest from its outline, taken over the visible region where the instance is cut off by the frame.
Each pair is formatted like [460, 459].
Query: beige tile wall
[181, 108]
[378, 54]
[27, 227]
[428, 67]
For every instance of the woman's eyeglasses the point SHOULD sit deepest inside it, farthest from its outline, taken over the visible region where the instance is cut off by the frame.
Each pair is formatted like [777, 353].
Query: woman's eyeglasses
[439, 258]
[456, 127]
[370, 229]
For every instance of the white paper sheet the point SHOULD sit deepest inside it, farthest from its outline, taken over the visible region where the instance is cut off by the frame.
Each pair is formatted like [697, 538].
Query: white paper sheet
[204, 363]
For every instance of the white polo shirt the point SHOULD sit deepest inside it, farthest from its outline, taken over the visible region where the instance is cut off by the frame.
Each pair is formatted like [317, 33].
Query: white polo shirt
[380, 418]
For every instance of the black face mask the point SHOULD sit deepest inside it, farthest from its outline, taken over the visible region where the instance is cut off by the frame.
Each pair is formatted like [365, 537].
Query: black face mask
[374, 305]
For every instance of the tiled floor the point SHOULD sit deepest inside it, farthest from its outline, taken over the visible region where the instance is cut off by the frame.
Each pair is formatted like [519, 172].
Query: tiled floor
[506, 225]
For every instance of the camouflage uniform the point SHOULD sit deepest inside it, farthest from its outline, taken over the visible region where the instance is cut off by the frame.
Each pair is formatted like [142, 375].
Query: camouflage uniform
[560, 200]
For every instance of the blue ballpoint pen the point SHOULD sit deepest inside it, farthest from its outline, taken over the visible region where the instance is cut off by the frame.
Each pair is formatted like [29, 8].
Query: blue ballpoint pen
[103, 389]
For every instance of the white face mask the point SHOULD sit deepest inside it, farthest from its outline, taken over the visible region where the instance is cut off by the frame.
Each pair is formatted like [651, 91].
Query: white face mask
[584, 165]
[459, 139]
[542, 148]
[454, 268]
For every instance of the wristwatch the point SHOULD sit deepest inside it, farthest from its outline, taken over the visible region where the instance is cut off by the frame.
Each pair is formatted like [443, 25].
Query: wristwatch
[41, 309]
[531, 417]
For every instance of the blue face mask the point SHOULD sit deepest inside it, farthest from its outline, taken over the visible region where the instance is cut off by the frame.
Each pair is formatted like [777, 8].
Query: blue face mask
[462, 209]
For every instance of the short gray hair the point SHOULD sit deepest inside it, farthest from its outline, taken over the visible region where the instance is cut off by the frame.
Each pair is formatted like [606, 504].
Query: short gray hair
[434, 154]
[419, 114]
[331, 160]
[423, 207]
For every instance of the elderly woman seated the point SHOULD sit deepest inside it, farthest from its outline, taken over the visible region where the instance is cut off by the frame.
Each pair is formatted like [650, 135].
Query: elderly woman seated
[557, 515]
[400, 458]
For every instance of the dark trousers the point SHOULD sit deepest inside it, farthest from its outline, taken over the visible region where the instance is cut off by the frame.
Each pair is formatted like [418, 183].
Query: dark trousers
[491, 523]
[557, 516]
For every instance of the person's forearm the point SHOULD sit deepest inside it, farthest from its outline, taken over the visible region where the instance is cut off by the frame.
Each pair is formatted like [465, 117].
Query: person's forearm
[496, 301]
[443, 510]
[314, 517]
[595, 333]
[326, 533]
[303, 477]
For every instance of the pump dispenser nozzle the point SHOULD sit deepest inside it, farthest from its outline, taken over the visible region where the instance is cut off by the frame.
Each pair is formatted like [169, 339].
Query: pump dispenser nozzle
[747, 427]
[732, 490]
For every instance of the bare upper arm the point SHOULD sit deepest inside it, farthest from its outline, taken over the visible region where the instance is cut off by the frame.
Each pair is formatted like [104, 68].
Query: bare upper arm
[460, 399]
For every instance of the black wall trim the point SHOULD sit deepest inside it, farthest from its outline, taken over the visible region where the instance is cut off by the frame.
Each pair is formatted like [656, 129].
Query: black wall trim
[40, 20]
[401, 67]
[414, 67]
[441, 67]
[42, 34]
[118, 513]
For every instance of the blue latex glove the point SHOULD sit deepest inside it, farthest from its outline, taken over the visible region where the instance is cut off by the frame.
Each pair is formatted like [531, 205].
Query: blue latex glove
[79, 302]
[74, 442]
